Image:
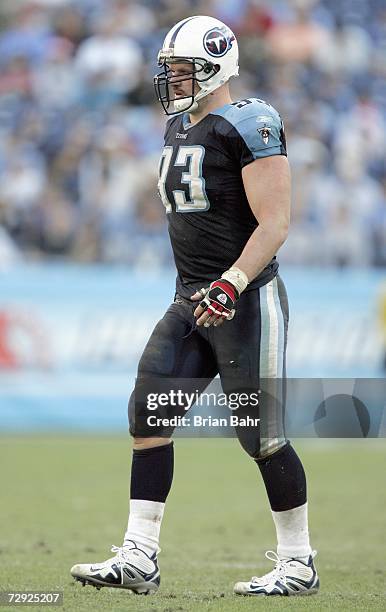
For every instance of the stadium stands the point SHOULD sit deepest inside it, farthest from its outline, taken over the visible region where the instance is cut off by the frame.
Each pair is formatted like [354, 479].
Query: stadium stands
[80, 131]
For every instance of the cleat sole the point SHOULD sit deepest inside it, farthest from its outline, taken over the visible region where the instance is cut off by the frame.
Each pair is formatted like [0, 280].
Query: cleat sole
[299, 594]
[98, 586]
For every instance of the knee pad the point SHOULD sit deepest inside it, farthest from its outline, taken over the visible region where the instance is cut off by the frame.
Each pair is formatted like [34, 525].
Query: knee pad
[270, 446]
[249, 440]
[141, 421]
[256, 447]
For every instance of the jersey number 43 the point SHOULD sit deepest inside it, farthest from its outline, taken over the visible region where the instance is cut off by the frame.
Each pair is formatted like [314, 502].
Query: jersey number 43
[193, 157]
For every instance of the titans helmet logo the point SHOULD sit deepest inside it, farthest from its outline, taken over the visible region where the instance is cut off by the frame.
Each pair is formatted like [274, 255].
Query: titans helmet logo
[217, 42]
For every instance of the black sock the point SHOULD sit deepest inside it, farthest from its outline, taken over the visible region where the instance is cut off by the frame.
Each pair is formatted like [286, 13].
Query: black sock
[152, 473]
[284, 479]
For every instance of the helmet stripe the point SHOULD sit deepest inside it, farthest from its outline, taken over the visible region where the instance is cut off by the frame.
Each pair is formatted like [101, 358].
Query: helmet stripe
[174, 35]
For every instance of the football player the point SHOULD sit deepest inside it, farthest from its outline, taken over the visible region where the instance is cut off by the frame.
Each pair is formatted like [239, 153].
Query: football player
[224, 180]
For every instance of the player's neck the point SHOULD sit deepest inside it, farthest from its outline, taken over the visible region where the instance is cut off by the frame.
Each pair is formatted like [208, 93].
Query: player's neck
[209, 104]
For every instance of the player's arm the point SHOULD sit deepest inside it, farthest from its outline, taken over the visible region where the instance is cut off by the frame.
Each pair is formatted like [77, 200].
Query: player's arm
[267, 184]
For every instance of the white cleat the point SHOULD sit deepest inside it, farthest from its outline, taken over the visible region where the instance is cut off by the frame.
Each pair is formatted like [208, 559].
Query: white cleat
[131, 568]
[289, 577]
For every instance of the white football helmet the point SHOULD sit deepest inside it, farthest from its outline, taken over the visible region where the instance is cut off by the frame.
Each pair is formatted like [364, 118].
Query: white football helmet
[210, 46]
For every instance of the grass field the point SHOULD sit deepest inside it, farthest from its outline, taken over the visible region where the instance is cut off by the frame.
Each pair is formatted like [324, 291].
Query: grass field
[64, 500]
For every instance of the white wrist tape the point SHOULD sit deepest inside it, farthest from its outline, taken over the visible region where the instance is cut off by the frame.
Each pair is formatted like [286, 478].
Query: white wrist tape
[237, 277]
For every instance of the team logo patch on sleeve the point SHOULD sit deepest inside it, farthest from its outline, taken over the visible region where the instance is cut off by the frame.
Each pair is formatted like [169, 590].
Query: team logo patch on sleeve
[218, 41]
[264, 133]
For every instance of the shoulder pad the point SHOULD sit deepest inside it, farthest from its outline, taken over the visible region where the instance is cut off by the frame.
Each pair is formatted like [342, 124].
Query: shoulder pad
[250, 117]
[248, 108]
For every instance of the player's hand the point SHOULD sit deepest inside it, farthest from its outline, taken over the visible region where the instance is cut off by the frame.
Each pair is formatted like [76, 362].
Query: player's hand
[217, 303]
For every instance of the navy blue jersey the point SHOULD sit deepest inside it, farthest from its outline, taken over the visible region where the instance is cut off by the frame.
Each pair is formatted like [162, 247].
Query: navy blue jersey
[201, 187]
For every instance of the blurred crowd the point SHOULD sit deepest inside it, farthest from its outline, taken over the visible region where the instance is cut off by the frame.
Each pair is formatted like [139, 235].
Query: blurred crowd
[81, 131]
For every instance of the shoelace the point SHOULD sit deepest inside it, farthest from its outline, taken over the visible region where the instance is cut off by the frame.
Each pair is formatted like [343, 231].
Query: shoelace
[278, 572]
[120, 554]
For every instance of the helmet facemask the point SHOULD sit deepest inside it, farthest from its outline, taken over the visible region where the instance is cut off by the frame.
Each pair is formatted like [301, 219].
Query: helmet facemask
[202, 71]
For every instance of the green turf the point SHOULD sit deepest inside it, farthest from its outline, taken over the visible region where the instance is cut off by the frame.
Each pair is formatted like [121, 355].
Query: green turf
[64, 500]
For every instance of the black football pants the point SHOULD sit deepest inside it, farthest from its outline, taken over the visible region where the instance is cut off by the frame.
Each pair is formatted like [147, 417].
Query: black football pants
[247, 352]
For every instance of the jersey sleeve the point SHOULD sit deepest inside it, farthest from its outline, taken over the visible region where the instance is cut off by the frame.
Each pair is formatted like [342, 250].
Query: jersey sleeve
[255, 130]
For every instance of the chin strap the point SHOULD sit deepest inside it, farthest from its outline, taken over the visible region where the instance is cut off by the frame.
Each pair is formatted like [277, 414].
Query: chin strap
[181, 105]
